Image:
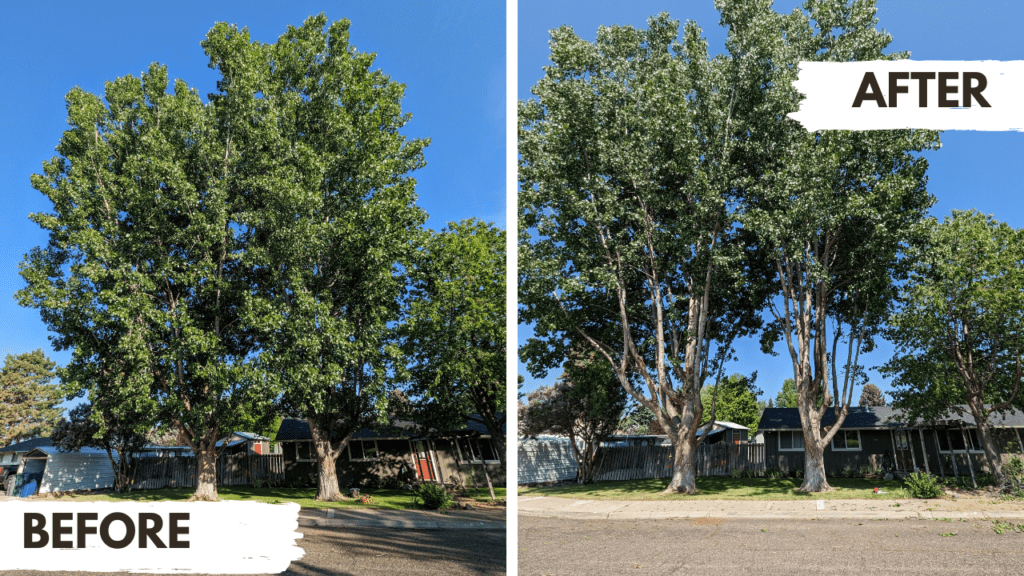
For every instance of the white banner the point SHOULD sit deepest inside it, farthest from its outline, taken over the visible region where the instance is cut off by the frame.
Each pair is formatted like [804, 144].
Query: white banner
[229, 537]
[935, 95]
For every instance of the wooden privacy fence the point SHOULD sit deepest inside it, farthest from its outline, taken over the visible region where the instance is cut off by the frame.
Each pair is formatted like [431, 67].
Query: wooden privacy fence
[639, 462]
[232, 470]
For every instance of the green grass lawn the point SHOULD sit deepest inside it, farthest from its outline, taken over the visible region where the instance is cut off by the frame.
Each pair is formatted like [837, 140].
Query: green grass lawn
[725, 488]
[382, 499]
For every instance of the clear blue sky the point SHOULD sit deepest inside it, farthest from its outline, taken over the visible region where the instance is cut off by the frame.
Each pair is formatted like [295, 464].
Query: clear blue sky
[450, 56]
[980, 170]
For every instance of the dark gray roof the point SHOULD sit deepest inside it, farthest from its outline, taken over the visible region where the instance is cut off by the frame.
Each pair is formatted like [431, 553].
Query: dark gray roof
[27, 445]
[873, 417]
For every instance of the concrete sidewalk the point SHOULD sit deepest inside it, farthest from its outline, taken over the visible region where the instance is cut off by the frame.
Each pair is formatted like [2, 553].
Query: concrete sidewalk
[476, 519]
[793, 510]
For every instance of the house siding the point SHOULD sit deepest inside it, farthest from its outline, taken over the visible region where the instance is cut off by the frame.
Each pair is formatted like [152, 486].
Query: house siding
[546, 461]
[874, 445]
[67, 472]
[452, 470]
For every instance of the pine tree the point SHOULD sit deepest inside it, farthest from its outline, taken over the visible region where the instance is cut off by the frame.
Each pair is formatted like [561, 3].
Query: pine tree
[28, 402]
[871, 396]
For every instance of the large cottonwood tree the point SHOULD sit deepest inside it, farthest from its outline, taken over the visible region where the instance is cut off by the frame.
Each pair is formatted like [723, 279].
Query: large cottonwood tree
[832, 210]
[144, 276]
[335, 223]
[959, 329]
[630, 193]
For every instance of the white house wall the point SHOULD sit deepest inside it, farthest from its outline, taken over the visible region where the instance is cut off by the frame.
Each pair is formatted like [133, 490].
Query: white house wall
[66, 472]
[546, 461]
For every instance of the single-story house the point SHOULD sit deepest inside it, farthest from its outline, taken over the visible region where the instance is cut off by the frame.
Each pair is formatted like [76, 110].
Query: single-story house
[878, 437]
[395, 455]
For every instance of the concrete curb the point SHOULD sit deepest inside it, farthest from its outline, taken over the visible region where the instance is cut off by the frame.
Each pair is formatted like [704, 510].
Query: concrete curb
[765, 510]
[400, 524]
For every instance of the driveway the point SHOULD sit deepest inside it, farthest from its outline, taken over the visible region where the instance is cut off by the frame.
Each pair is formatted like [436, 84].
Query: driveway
[706, 545]
[384, 551]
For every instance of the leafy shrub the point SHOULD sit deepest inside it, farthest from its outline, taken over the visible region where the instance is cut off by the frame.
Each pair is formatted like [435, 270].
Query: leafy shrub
[922, 485]
[774, 473]
[866, 470]
[434, 496]
[798, 473]
[1013, 486]
[736, 473]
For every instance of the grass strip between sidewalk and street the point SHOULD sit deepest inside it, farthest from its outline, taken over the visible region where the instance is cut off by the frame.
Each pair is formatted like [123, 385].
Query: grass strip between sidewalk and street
[382, 498]
[724, 488]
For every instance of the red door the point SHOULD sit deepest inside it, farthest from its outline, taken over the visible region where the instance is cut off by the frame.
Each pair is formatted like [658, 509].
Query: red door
[423, 465]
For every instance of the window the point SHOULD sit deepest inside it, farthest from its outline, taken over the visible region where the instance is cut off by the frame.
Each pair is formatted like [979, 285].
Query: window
[362, 450]
[846, 440]
[901, 440]
[791, 440]
[475, 450]
[304, 452]
[957, 440]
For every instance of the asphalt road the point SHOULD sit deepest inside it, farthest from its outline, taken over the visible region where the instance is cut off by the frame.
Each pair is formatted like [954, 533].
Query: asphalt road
[551, 546]
[380, 551]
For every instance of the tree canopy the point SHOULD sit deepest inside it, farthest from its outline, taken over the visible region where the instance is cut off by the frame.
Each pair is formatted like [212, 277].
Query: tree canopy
[628, 206]
[959, 329]
[736, 401]
[871, 396]
[28, 400]
[454, 333]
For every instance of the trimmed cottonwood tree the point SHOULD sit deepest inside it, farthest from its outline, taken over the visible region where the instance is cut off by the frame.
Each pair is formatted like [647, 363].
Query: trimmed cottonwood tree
[832, 210]
[28, 402]
[334, 223]
[585, 405]
[454, 332]
[143, 276]
[959, 330]
[628, 206]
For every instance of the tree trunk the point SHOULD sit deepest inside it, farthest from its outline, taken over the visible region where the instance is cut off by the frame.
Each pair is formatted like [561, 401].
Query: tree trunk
[327, 487]
[988, 444]
[487, 476]
[814, 468]
[684, 466]
[206, 479]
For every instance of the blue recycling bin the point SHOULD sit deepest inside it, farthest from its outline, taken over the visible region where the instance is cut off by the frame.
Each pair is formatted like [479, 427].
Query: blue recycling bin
[30, 484]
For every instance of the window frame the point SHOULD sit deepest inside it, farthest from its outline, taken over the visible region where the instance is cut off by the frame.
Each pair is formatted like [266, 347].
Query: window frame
[845, 434]
[474, 457]
[311, 451]
[376, 451]
[972, 436]
[791, 432]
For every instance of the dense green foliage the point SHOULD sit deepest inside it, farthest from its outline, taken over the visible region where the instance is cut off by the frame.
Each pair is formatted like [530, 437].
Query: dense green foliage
[923, 485]
[454, 334]
[959, 331]
[434, 496]
[28, 401]
[736, 401]
[121, 434]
